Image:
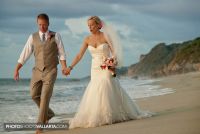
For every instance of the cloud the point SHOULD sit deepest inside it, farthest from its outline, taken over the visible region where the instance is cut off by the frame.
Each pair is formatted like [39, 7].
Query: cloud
[60, 9]
[140, 23]
[78, 8]
[77, 26]
[176, 10]
[25, 12]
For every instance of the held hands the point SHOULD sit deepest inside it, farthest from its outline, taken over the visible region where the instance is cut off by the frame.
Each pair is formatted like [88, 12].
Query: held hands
[66, 71]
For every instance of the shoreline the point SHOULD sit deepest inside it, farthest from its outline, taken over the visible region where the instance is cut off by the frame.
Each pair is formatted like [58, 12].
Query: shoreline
[176, 113]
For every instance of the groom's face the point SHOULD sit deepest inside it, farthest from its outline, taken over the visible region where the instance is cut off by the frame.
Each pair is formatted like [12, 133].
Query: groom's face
[42, 25]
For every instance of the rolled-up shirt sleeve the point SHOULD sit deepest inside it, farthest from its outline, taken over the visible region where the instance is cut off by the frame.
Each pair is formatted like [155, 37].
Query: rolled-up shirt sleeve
[27, 51]
[61, 50]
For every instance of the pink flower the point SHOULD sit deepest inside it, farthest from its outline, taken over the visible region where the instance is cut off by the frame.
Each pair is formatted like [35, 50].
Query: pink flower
[100, 25]
[110, 64]
[50, 35]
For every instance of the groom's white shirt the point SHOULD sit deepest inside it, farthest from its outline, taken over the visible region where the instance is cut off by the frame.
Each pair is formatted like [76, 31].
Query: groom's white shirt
[28, 48]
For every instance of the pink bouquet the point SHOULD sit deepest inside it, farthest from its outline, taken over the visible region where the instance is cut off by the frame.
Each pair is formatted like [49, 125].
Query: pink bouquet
[110, 64]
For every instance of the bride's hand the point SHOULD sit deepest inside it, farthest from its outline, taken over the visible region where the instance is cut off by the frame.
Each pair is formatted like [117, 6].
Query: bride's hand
[66, 71]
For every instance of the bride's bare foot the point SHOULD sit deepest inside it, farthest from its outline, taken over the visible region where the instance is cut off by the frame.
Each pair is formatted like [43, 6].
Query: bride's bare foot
[47, 121]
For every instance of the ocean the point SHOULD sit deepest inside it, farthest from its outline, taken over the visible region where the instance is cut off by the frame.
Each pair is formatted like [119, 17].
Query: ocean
[16, 105]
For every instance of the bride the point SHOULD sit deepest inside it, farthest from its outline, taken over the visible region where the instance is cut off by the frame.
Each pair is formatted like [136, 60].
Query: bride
[104, 101]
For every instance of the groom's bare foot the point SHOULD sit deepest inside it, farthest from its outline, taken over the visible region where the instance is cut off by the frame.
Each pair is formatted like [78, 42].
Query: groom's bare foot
[47, 121]
[38, 131]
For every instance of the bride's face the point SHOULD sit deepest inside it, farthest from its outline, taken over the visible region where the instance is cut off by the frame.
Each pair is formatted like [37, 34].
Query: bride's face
[93, 26]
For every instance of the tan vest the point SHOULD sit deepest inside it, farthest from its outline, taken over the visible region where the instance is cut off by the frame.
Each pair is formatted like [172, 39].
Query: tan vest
[46, 53]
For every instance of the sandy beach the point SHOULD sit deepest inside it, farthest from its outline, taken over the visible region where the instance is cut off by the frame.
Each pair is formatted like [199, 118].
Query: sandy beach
[177, 113]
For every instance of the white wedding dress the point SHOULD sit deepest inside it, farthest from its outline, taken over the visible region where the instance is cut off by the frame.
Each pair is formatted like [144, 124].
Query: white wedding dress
[104, 101]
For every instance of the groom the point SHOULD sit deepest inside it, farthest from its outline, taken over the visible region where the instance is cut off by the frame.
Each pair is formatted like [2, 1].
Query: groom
[48, 49]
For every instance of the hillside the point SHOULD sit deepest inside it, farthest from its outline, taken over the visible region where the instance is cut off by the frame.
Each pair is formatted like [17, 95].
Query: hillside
[169, 59]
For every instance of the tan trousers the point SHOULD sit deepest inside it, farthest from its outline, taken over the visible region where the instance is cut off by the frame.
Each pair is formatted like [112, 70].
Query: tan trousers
[41, 87]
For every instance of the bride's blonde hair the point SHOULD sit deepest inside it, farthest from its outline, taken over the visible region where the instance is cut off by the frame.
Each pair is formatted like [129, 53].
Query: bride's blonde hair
[97, 20]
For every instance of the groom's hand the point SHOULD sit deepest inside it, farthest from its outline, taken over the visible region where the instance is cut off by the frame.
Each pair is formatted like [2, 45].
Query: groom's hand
[16, 75]
[66, 71]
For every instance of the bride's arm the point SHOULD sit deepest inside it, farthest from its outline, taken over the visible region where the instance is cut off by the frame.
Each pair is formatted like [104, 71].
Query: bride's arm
[110, 45]
[113, 54]
[111, 48]
[79, 56]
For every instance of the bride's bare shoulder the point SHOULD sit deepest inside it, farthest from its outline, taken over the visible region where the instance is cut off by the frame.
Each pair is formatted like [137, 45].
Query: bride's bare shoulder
[104, 37]
[87, 39]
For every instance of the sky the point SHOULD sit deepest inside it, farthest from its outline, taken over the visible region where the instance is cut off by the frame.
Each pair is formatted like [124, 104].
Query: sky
[140, 24]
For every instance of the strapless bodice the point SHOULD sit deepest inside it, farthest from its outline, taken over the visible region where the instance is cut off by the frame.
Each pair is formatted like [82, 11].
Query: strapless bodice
[99, 54]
